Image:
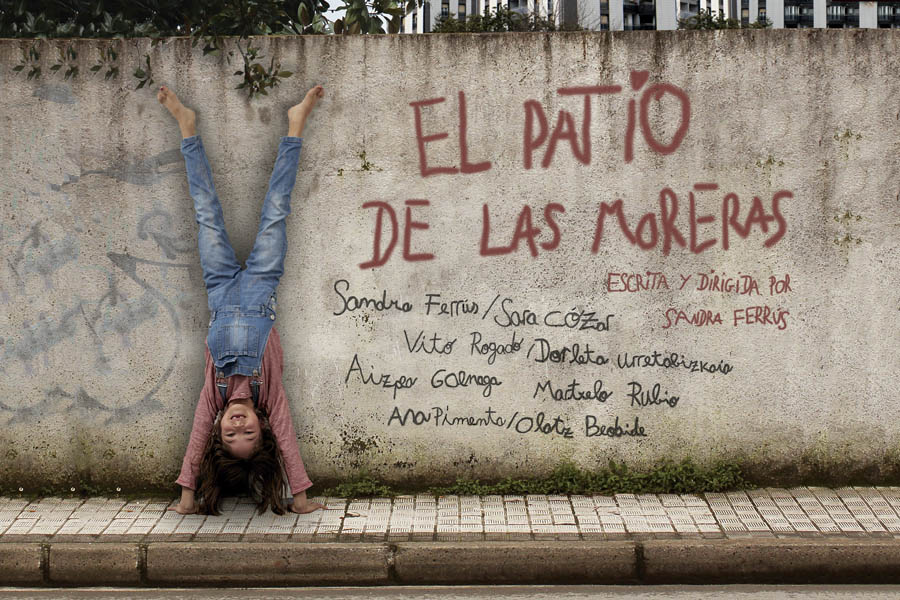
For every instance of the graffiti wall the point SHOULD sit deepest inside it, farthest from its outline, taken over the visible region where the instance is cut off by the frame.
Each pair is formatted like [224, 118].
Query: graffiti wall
[505, 252]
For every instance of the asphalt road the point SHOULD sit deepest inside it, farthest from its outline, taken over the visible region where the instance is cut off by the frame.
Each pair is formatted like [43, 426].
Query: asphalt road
[735, 592]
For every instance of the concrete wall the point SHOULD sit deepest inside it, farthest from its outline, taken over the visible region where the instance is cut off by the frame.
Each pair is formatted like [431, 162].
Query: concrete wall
[105, 312]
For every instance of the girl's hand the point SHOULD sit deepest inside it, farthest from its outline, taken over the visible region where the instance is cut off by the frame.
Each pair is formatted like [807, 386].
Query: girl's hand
[185, 509]
[302, 505]
[187, 505]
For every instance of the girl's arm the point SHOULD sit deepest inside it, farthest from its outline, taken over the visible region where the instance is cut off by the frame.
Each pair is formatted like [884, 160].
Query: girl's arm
[280, 419]
[204, 415]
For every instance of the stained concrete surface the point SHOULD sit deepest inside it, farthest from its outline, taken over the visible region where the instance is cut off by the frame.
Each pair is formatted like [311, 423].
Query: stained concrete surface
[105, 313]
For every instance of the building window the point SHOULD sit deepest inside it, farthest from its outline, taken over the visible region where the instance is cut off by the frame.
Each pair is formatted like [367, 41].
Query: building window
[415, 28]
[461, 10]
[445, 9]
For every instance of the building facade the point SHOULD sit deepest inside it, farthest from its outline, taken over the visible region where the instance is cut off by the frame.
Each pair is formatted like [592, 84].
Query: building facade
[664, 14]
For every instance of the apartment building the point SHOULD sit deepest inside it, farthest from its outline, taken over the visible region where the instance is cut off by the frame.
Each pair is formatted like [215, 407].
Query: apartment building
[664, 14]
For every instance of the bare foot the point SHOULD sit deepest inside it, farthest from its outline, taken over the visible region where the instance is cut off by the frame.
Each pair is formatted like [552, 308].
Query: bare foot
[186, 118]
[297, 114]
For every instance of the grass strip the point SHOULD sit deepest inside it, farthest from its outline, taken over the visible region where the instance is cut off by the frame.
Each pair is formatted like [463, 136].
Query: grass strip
[667, 477]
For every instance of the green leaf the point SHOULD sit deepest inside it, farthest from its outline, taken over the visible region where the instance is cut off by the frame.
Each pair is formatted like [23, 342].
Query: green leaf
[238, 72]
[96, 68]
[140, 85]
[139, 73]
[303, 14]
[285, 74]
[55, 67]
[19, 68]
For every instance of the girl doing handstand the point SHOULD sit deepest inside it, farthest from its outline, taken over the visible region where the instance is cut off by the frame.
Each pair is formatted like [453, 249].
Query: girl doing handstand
[242, 437]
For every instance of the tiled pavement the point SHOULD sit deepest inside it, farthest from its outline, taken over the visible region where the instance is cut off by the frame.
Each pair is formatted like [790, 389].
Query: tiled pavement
[771, 512]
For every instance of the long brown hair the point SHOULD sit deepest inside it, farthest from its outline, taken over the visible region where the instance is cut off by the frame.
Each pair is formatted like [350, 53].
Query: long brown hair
[261, 475]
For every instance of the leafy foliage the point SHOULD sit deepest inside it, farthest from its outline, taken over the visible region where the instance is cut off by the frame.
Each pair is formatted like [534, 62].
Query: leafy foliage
[500, 19]
[206, 21]
[144, 77]
[257, 78]
[359, 18]
[66, 59]
[705, 20]
[30, 59]
[108, 58]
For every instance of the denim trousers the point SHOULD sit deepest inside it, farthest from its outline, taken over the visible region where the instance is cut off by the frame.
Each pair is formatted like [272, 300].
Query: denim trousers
[241, 301]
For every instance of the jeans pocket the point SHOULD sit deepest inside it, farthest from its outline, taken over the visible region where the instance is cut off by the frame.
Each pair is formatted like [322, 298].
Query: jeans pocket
[237, 340]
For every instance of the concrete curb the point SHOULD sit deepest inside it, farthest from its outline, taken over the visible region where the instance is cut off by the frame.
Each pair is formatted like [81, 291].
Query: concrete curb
[21, 564]
[515, 562]
[217, 563]
[771, 561]
[199, 564]
[85, 564]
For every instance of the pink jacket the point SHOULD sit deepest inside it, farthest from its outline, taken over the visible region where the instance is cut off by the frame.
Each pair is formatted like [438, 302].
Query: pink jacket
[272, 400]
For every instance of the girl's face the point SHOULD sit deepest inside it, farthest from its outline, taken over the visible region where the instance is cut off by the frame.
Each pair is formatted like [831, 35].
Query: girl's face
[240, 428]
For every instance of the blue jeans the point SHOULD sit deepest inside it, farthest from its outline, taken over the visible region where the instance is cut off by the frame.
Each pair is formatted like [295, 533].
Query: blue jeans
[241, 301]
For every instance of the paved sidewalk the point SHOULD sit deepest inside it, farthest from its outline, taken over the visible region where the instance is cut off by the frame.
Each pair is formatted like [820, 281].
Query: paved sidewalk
[771, 512]
[801, 535]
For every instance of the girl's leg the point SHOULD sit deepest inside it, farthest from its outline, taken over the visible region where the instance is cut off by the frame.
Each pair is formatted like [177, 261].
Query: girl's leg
[266, 261]
[216, 254]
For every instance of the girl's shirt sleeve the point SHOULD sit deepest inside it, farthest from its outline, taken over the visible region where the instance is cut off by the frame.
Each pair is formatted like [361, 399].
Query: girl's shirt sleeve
[204, 415]
[280, 415]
